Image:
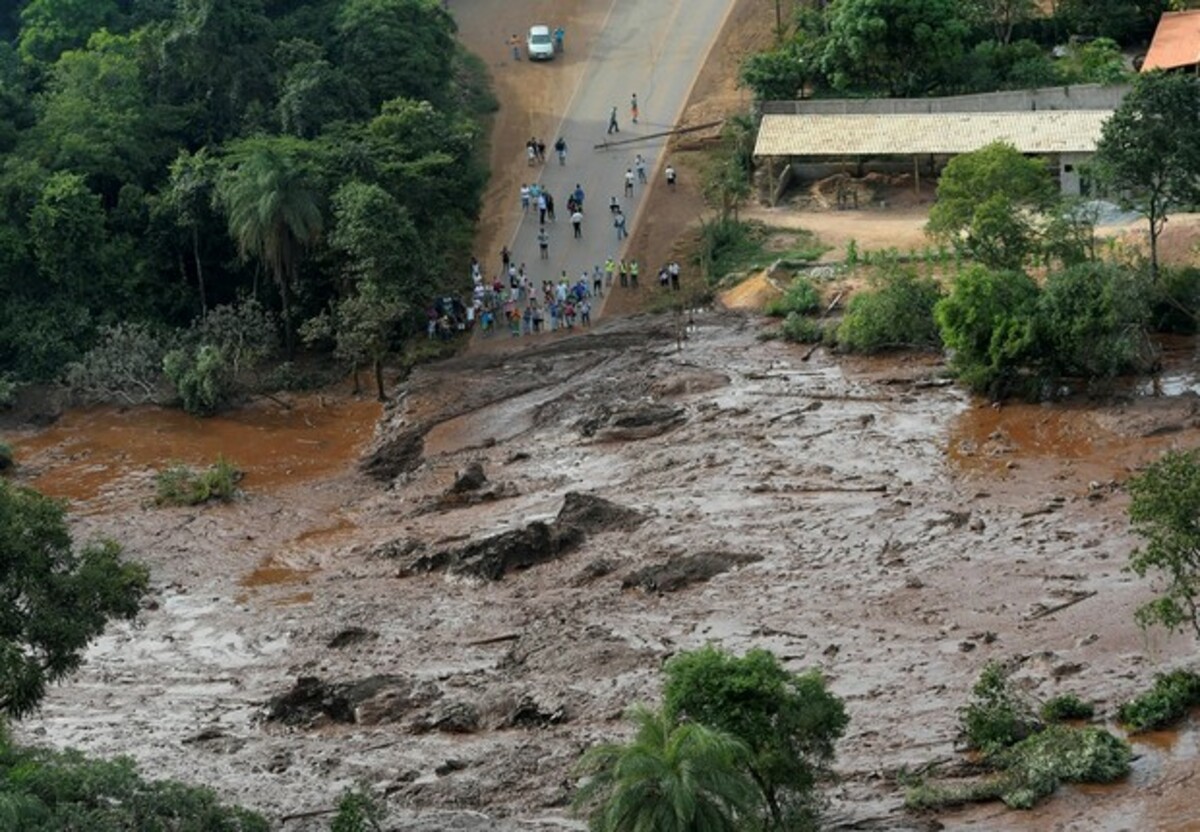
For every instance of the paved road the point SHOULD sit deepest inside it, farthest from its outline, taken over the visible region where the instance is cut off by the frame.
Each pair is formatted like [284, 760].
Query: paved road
[654, 48]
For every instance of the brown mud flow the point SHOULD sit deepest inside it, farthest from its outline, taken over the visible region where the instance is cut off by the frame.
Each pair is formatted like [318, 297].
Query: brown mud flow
[807, 507]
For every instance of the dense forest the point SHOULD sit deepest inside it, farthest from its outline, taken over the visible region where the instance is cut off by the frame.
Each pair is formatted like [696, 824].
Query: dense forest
[912, 48]
[181, 178]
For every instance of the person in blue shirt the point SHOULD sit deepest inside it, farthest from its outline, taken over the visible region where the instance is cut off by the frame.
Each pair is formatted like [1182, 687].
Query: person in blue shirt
[559, 34]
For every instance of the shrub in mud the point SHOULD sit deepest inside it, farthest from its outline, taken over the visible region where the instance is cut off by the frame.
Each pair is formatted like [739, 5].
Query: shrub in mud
[1066, 707]
[800, 329]
[896, 312]
[801, 298]
[988, 322]
[180, 485]
[6, 457]
[1168, 701]
[1022, 760]
[997, 716]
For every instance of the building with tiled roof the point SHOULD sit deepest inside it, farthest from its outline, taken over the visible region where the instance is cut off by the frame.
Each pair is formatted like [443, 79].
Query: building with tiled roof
[1176, 44]
[813, 139]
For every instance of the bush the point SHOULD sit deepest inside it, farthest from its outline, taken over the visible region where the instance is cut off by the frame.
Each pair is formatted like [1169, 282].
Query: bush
[1168, 701]
[179, 485]
[996, 717]
[800, 329]
[1067, 706]
[723, 244]
[357, 811]
[202, 378]
[896, 312]
[1034, 768]
[6, 456]
[8, 392]
[988, 321]
[46, 791]
[801, 297]
[1092, 322]
[1176, 300]
[1061, 754]
[126, 365]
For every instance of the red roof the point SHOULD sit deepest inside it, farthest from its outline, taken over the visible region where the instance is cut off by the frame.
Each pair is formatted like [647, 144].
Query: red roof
[1176, 41]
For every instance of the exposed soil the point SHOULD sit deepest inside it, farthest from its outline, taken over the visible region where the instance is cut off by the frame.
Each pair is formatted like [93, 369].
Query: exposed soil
[859, 517]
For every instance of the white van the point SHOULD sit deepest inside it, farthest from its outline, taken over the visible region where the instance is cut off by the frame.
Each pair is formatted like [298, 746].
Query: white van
[540, 44]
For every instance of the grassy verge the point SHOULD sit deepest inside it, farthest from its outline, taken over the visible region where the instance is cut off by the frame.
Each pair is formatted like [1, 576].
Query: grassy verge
[732, 246]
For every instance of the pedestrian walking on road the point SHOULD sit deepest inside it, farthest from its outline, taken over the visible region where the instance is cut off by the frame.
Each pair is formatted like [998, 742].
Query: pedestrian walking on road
[543, 238]
[549, 206]
[524, 197]
[505, 257]
[633, 108]
[560, 147]
[515, 42]
[560, 35]
[540, 147]
[628, 182]
[670, 171]
[613, 205]
[633, 273]
[623, 273]
[619, 224]
[541, 209]
[578, 194]
[613, 127]
[577, 224]
[639, 165]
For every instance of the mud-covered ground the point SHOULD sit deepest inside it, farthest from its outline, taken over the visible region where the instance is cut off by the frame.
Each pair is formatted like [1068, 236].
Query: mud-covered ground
[864, 519]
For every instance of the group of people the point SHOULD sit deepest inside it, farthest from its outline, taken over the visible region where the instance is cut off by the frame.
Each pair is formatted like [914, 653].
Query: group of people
[523, 308]
[514, 300]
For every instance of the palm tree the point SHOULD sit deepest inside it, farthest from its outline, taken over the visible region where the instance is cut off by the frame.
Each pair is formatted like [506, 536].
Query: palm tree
[272, 211]
[669, 778]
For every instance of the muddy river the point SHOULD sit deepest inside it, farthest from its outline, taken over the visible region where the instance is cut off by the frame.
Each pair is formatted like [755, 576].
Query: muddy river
[864, 518]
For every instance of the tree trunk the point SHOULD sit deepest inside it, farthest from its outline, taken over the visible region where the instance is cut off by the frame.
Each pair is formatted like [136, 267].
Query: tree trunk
[199, 270]
[379, 379]
[285, 299]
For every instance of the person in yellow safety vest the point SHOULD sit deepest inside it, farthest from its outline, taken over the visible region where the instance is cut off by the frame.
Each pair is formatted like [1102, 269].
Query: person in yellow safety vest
[633, 273]
[609, 268]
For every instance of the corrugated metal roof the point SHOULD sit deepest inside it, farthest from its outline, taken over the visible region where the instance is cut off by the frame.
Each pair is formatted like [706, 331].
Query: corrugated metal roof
[1046, 131]
[1176, 41]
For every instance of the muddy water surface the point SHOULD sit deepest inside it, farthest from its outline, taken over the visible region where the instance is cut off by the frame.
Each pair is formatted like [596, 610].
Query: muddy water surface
[86, 451]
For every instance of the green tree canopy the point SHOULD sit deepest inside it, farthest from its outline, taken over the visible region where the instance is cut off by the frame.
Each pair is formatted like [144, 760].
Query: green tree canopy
[397, 47]
[54, 599]
[1148, 153]
[97, 118]
[1164, 510]
[990, 202]
[905, 47]
[48, 791]
[789, 722]
[1092, 319]
[273, 209]
[50, 27]
[669, 778]
[989, 323]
